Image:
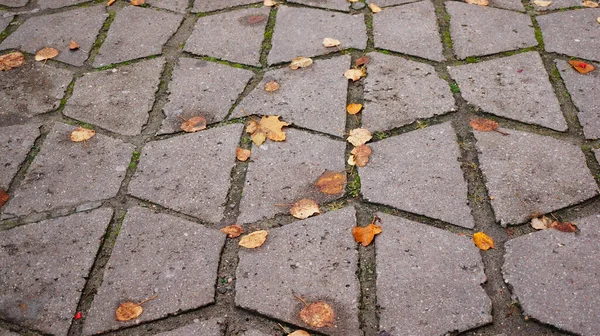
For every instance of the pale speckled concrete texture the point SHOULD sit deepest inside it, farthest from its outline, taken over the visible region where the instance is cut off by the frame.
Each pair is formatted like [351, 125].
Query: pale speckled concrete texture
[15, 144]
[211, 327]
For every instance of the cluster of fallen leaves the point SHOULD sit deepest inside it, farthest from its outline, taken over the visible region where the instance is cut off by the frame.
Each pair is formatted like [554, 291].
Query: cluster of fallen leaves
[359, 156]
[542, 223]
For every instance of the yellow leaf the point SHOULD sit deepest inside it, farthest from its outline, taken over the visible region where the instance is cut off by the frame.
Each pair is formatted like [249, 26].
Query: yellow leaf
[46, 53]
[354, 74]
[242, 154]
[128, 311]
[331, 183]
[483, 241]
[353, 108]
[73, 45]
[194, 124]
[330, 42]
[271, 86]
[542, 3]
[110, 2]
[598, 19]
[233, 231]
[365, 235]
[12, 60]
[374, 8]
[82, 134]
[589, 4]
[360, 156]
[299, 333]
[254, 240]
[300, 62]
[317, 315]
[269, 3]
[268, 127]
[138, 2]
[359, 136]
[478, 2]
[304, 208]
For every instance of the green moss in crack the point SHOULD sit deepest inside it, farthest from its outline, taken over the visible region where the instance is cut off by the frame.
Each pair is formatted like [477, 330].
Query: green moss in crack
[135, 159]
[454, 88]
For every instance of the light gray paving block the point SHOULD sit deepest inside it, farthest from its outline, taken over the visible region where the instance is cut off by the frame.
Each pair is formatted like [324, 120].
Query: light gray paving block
[584, 91]
[4, 332]
[15, 144]
[156, 254]
[410, 29]
[232, 36]
[285, 172]
[508, 4]
[385, 3]
[477, 30]
[179, 6]
[341, 5]
[428, 280]
[515, 87]
[557, 4]
[597, 152]
[4, 20]
[13, 3]
[581, 37]
[316, 259]
[554, 275]
[213, 5]
[45, 268]
[528, 173]
[202, 88]
[189, 173]
[118, 99]
[300, 32]
[419, 172]
[201, 328]
[46, 4]
[399, 91]
[57, 30]
[152, 30]
[313, 97]
[66, 173]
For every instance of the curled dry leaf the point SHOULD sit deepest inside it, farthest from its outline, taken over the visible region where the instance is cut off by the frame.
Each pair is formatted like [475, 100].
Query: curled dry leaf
[110, 2]
[268, 127]
[82, 134]
[355, 74]
[478, 2]
[254, 239]
[353, 108]
[589, 4]
[485, 125]
[483, 241]
[233, 231]
[360, 156]
[564, 226]
[271, 86]
[3, 197]
[331, 183]
[242, 154]
[359, 136]
[304, 208]
[269, 3]
[299, 333]
[46, 54]
[317, 315]
[365, 235]
[542, 3]
[12, 60]
[73, 45]
[300, 62]
[374, 8]
[330, 42]
[138, 2]
[194, 124]
[362, 61]
[541, 223]
[581, 67]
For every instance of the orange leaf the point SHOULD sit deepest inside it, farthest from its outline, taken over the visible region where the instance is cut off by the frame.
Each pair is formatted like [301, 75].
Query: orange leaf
[362, 61]
[317, 315]
[12, 60]
[242, 154]
[331, 183]
[45, 54]
[365, 235]
[254, 239]
[564, 226]
[233, 231]
[360, 156]
[82, 134]
[478, 2]
[128, 311]
[304, 208]
[299, 333]
[353, 108]
[272, 86]
[138, 2]
[483, 241]
[3, 197]
[73, 45]
[484, 125]
[110, 2]
[374, 8]
[194, 124]
[581, 67]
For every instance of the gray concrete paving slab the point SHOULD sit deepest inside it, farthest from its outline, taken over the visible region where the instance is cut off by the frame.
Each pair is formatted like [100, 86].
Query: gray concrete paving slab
[254, 333]
[51, 4]
[445, 268]
[45, 268]
[153, 28]
[189, 173]
[508, 4]
[419, 172]
[409, 29]
[4, 332]
[4, 21]
[213, 5]
[15, 144]
[318, 250]
[557, 4]
[313, 97]
[235, 36]
[477, 30]
[66, 173]
[399, 91]
[341, 5]
[13, 3]
[81, 25]
[597, 152]
[528, 173]
[386, 3]
[300, 32]
[201, 328]
[515, 87]
[156, 254]
[554, 275]
[285, 172]
[179, 6]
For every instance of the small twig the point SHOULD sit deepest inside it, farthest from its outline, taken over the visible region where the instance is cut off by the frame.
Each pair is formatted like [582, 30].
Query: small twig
[375, 219]
[285, 330]
[283, 204]
[182, 118]
[148, 299]
[249, 116]
[499, 131]
[299, 298]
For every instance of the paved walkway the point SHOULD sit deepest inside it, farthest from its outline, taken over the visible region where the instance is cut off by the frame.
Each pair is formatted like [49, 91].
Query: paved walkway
[135, 211]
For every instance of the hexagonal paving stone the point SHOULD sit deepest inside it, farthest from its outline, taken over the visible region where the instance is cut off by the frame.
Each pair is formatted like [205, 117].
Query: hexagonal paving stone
[428, 280]
[528, 173]
[66, 173]
[583, 90]
[341, 5]
[554, 275]
[46, 265]
[233, 36]
[202, 88]
[200, 328]
[152, 30]
[284, 172]
[57, 30]
[477, 30]
[316, 259]
[314, 97]
[157, 254]
[45, 4]
[179, 6]
[15, 144]
[13, 3]
[213, 5]
[300, 32]
[557, 4]
[118, 100]
[398, 92]
[420, 38]
[499, 86]
[189, 173]
[419, 172]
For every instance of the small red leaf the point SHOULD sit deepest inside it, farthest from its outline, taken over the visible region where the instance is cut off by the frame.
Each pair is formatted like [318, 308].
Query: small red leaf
[77, 316]
[3, 197]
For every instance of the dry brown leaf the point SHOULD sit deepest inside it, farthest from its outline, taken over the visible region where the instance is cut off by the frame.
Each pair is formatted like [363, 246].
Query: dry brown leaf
[541, 223]
[269, 3]
[353, 0]
[362, 61]
[73, 45]
[242, 154]
[330, 42]
[331, 183]
[299, 333]
[304, 208]
[589, 4]
[598, 19]
[485, 125]
[46, 54]
[359, 136]
[254, 239]
[360, 156]
[317, 315]
[353, 108]
[365, 235]
[138, 2]
[355, 74]
[233, 231]
[374, 8]
[271, 86]
[268, 127]
[130, 310]
[3, 197]
[194, 124]
[581, 67]
[564, 226]
[300, 62]
[483, 241]
[478, 2]
[110, 2]
[256, 19]
[12, 60]
[82, 134]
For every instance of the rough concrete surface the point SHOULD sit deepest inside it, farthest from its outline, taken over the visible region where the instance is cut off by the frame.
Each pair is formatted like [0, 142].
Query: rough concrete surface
[213, 5]
[13, 3]
[44, 4]
[15, 144]
[179, 6]
[341, 5]
[201, 328]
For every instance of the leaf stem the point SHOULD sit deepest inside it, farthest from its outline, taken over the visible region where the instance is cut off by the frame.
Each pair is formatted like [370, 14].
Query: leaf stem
[148, 299]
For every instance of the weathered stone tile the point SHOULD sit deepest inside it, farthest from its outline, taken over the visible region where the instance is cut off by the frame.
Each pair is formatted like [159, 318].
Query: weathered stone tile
[399, 91]
[314, 97]
[45, 4]
[15, 144]
[508, 4]
[428, 280]
[341, 5]
[66, 173]
[557, 4]
[385, 3]
[201, 87]
[13, 3]
[45, 268]
[57, 30]
[285, 172]
[152, 30]
[179, 6]
[515, 87]
[580, 39]
[584, 93]
[201, 328]
[232, 36]
[254, 333]
[189, 173]
[118, 100]
[157, 254]
[4, 20]
[597, 152]
[296, 257]
[213, 5]
[554, 275]
[300, 32]
[4, 332]
[410, 29]
[419, 172]
[478, 30]
[528, 173]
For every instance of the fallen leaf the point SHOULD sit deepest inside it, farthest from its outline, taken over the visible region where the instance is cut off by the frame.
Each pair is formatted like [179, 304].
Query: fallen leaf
[233, 231]
[317, 315]
[73, 45]
[110, 2]
[589, 4]
[77, 316]
[3, 197]
[353, 0]
[331, 183]
[130, 310]
[272, 86]
[12, 60]
[541, 223]
[254, 239]
[598, 19]
[353, 108]
[256, 19]
[478, 2]
[374, 8]
[46, 54]
[269, 3]
[268, 127]
[485, 125]
[365, 235]
[362, 61]
[299, 333]
[300, 62]
[194, 124]
[359, 136]
[138, 2]
[355, 74]
[483, 241]
[542, 3]
[360, 156]
[581, 67]
[330, 42]
[242, 154]
[82, 134]
[564, 226]
[304, 208]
